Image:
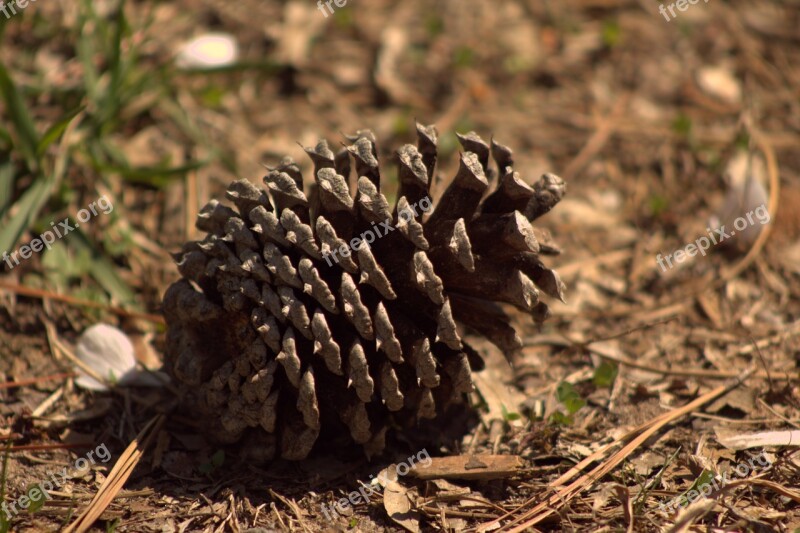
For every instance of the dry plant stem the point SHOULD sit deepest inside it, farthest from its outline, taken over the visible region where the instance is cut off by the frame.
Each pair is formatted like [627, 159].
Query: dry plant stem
[780, 489]
[624, 496]
[598, 139]
[39, 447]
[117, 477]
[48, 402]
[636, 437]
[692, 514]
[41, 294]
[233, 517]
[34, 381]
[769, 408]
[121, 495]
[292, 505]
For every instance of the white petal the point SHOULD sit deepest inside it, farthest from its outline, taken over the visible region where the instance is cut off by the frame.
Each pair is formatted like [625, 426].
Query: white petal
[108, 351]
[210, 50]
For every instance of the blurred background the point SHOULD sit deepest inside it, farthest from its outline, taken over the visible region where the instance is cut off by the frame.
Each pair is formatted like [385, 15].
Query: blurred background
[659, 124]
[164, 103]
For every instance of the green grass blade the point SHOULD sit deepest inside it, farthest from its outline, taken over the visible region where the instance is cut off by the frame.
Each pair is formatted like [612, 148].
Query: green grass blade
[86, 53]
[3, 23]
[55, 131]
[23, 123]
[103, 270]
[156, 177]
[111, 99]
[28, 208]
[115, 66]
[266, 66]
[5, 139]
[6, 187]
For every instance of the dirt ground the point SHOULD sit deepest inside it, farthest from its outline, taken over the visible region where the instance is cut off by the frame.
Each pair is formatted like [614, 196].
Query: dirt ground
[652, 379]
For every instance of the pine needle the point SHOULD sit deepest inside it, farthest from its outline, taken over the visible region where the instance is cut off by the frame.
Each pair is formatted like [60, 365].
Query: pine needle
[116, 479]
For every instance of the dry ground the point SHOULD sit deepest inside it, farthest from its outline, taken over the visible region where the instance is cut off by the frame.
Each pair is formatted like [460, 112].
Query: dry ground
[641, 115]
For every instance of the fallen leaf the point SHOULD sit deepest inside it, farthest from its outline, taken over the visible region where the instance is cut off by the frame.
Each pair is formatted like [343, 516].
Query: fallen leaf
[445, 489]
[502, 399]
[397, 501]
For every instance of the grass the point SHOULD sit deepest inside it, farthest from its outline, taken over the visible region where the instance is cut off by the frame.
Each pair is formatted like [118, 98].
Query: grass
[120, 92]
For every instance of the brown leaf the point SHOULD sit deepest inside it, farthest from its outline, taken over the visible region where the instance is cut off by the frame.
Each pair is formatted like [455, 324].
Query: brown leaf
[397, 502]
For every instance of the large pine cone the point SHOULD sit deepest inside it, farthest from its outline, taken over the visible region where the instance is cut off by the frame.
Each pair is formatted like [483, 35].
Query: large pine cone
[285, 326]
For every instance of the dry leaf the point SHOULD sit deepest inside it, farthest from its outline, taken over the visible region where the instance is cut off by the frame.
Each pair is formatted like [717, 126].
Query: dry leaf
[493, 384]
[396, 500]
[445, 489]
[742, 399]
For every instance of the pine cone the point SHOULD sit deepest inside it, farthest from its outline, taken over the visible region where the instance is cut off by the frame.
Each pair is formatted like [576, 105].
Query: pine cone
[324, 315]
